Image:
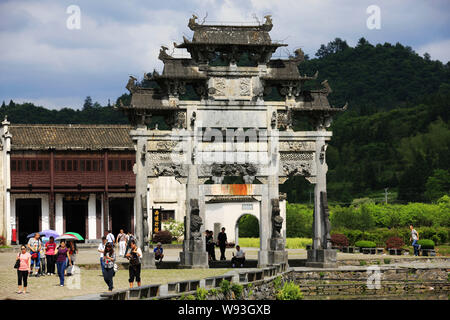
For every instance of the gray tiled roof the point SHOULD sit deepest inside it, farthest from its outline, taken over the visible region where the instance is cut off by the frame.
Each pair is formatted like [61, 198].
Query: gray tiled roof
[70, 137]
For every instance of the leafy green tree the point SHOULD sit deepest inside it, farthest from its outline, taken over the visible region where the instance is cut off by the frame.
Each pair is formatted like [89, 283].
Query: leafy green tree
[248, 226]
[87, 103]
[437, 185]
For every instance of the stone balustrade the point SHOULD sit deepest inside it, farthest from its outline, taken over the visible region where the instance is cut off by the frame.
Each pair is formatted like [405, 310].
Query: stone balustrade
[174, 289]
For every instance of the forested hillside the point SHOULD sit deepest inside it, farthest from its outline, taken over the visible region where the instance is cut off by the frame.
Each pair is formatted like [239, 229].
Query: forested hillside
[394, 135]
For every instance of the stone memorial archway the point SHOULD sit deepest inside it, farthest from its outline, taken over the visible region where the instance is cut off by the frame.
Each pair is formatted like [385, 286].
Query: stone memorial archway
[224, 124]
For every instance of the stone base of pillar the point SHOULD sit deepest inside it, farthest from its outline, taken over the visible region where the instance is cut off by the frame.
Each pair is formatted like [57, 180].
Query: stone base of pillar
[277, 253]
[322, 258]
[263, 258]
[148, 260]
[278, 256]
[193, 255]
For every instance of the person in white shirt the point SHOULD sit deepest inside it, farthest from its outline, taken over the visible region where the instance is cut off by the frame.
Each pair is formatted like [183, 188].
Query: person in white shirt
[101, 249]
[110, 238]
[122, 240]
[238, 257]
[414, 238]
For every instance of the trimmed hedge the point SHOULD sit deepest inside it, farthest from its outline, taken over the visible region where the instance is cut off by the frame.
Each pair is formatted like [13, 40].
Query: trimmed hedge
[381, 235]
[366, 244]
[433, 220]
[426, 244]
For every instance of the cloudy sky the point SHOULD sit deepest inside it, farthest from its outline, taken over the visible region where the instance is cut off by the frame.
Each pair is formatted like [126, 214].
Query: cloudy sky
[45, 62]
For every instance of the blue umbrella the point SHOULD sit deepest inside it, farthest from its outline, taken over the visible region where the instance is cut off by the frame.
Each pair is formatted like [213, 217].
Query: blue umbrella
[45, 233]
[31, 235]
[49, 233]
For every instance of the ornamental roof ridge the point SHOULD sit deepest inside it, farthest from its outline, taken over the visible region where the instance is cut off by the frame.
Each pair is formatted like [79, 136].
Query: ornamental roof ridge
[70, 125]
[266, 26]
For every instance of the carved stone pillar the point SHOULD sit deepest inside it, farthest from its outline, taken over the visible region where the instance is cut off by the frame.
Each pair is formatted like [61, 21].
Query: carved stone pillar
[142, 230]
[194, 253]
[321, 255]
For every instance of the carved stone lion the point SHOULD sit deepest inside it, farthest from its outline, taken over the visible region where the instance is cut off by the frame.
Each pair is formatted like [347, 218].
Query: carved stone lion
[196, 220]
[277, 220]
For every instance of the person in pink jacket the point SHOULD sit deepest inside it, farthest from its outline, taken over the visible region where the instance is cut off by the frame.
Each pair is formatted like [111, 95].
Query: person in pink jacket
[24, 268]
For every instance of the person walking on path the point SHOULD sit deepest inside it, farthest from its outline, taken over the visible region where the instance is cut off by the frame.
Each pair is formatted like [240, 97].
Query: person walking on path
[129, 238]
[24, 268]
[122, 241]
[110, 237]
[43, 259]
[50, 249]
[101, 249]
[73, 251]
[222, 240]
[134, 268]
[62, 253]
[35, 247]
[414, 238]
[109, 257]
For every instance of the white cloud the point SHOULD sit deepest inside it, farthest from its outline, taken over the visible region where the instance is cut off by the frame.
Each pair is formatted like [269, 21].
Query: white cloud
[439, 50]
[40, 57]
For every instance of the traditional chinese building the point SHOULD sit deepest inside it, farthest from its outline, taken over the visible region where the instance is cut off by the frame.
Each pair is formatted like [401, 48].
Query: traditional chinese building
[69, 178]
[80, 178]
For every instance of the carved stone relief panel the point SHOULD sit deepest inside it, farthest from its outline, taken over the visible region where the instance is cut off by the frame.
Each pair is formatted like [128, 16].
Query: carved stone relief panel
[166, 145]
[297, 146]
[296, 156]
[231, 88]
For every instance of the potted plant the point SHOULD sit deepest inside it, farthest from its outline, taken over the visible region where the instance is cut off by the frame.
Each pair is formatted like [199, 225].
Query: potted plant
[427, 247]
[394, 245]
[339, 241]
[366, 246]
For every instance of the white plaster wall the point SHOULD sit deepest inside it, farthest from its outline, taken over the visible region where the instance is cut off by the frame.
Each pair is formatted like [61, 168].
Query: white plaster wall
[227, 214]
[92, 219]
[59, 213]
[45, 209]
[12, 213]
[168, 193]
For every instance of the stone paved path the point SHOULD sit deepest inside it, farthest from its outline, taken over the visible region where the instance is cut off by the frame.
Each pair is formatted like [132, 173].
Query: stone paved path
[92, 283]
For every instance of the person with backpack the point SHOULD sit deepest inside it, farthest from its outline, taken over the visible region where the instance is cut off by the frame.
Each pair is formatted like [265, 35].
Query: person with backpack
[109, 258]
[34, 244]
[134, 268]
[24, 267]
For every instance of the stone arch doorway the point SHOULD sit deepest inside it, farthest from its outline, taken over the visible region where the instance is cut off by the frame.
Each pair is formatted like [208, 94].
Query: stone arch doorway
[247, 225]
[226, 211]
